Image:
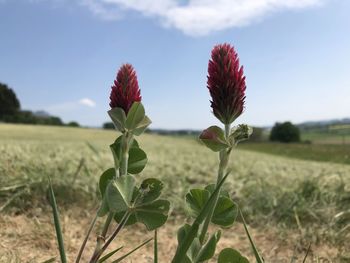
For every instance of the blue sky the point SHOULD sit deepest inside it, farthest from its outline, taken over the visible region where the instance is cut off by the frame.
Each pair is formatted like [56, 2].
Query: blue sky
[62, 56]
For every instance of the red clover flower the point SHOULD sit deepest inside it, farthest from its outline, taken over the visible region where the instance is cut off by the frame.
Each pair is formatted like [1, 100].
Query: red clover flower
[125, 90]
[226, 83]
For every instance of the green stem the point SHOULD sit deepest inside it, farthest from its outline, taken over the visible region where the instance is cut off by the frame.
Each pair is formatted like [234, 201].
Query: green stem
[155, 247]
[107, 223]
[101, 238]
[224, 156]
[123, 170]
[97, 254]
[126, 140]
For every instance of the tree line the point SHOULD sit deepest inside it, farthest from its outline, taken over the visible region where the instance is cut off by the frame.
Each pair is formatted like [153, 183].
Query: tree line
[11, 112]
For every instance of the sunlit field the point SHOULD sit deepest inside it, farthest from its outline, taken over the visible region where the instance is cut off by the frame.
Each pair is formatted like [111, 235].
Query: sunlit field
[289, 203]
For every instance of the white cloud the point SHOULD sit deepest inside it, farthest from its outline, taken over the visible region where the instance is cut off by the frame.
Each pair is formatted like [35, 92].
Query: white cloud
[70, 106]
[87, 102]
[197, 17]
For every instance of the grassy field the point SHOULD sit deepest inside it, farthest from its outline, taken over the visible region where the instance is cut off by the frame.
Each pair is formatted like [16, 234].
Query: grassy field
[335, 153]
[326, 137]
[289, 203]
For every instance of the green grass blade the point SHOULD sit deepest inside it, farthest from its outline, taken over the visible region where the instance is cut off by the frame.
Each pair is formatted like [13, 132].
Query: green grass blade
[132, 251]
[155, 247]
[92, 148]
[191, 235]
[50, 260]
[256, 253]
[109, 255]
[307, 253]
[57, 223]
[81, 250]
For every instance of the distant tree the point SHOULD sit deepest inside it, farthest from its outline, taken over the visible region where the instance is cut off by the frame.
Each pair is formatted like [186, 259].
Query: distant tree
[73, 124]
[56, 121]
[9, 104]
[25, 117]
[108, 126]
[285, 132]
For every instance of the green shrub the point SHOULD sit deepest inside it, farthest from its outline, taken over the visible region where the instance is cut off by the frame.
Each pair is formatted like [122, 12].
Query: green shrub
[108, 126]
[285, 132]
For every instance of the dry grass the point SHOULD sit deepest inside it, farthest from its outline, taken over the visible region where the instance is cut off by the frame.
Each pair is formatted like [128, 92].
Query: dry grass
[289, 203]
[30, 238]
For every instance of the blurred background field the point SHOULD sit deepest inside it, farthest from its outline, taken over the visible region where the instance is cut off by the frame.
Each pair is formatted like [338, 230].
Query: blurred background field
[295, 193]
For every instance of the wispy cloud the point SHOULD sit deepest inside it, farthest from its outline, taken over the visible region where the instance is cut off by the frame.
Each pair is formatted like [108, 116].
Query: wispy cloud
[70, 106]
[87, 102]
[192, 17]
[197, 17]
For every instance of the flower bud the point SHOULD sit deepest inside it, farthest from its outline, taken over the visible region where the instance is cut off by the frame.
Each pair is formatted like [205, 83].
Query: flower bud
[125, 90]
[214, 138]
[240, 133]
[226, 83]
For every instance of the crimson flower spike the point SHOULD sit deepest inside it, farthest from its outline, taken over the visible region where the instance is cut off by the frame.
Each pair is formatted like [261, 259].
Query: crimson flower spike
[125, 90]
[226, 83]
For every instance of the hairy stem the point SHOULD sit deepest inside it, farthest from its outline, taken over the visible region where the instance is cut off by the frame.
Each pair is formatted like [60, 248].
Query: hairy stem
[123, 170]
[126, 141]
[223, 156]
[101, 238]
[107, 223]
[122, 223]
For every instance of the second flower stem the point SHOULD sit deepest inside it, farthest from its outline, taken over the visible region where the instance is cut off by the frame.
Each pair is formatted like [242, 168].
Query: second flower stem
[223, 156]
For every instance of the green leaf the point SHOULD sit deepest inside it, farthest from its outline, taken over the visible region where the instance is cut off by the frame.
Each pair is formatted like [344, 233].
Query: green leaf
[208, 250]
[214, 138]
[146, 208]
[240, 133]
[150, 190]
[211, 189]
[196, 200]
[142, 126]
[229, 255]
[225, 211]
[118, 118]
[120, 192]
[56, 218]
[258, 258]
[105, 178]
[153, 215]
[131, 220]
[135, 116]
[134, 143]
[137, 160]
[137, 157]
[193, 231]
